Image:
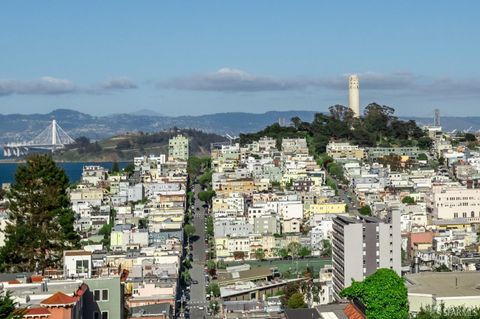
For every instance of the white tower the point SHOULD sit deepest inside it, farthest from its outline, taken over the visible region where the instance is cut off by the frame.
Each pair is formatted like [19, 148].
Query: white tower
[354, 94]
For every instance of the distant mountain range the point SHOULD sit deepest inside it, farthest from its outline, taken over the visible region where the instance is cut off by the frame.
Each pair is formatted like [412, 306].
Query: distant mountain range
[20, 127]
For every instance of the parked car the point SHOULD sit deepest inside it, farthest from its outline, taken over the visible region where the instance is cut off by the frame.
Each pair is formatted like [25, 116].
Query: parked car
[195, 282]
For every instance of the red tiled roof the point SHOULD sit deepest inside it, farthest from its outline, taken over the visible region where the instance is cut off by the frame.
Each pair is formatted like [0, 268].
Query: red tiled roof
[353, 312]
[59, 298]
[37, 278]
[14, 282]
[36, 312]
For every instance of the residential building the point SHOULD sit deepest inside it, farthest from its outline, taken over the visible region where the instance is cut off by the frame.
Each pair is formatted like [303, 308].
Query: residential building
[361, 245]
[178, 148]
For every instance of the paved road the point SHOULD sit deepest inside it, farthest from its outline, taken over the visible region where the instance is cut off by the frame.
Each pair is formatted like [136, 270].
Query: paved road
[347, 196]
[197, 294]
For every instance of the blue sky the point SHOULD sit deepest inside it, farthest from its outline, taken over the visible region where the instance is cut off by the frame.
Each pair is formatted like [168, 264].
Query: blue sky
[197, 57]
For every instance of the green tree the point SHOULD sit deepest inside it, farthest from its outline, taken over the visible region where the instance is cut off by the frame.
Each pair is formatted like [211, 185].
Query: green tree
[296, 301]
[214, 306]
[442, 268]
[106, 231]
[326, 248]
[441, 312]
[383, 293]
[282, 253]
[189, 230]
[206, 196]
[335, 170]
[304, 252]
[185, 276]
[210, 226]
[212, 267]
[40, 220]
[294, 249]
[129, 169]
[213, 289]
[365, 210]
[196, 164]
[408, 200]
[115, 167]
[422, 157]
[260, 254]
[8, 307]
[469, 137]
[206, 178]
[424, 143]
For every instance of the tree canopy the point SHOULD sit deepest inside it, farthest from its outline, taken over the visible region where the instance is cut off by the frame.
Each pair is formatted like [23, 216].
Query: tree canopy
[409, 200]
[213, 289]
[206, 196]
[8, 307]
[441, 312]
[365, 210]
[378, 126]
[40, 219]
[260, 254]
[189, 230]
[383, 293]
[296, 301]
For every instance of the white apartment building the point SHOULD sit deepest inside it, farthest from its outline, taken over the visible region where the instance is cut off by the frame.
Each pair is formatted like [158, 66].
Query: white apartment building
[454, 202]
[361, 245]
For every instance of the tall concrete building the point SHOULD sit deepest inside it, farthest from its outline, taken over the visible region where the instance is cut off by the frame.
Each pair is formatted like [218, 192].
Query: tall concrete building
[361, 245]
[354, 94]
[178, 148]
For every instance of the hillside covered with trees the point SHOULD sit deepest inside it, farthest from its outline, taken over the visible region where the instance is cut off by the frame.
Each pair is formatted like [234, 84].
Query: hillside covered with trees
[378, 127]
[129, 145]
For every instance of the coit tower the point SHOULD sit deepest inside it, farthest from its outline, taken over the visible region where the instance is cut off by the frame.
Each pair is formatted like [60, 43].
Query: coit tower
[354, 94]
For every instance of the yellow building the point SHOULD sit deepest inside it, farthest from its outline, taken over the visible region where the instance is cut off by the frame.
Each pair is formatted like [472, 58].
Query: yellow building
[244, 186]
[339, 151]
[325, 208]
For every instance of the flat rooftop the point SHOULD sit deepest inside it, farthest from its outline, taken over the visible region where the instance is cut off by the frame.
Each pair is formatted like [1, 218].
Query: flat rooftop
[444, 284]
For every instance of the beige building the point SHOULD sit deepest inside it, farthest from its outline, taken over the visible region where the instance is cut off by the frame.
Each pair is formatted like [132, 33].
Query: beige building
[178, 148]
[345, 151]
[447, 288]
[447, 202]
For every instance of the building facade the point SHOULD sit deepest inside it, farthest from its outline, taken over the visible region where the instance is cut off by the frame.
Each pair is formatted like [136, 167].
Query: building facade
[361, 245]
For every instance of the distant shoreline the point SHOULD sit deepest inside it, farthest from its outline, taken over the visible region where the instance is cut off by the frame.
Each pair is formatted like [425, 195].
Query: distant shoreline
[22, 161]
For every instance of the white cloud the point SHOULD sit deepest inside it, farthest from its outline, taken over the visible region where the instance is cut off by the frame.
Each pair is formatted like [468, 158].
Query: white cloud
[234, 80]
[49, 85]
[231, 80]
[118, 84]
[44, 85]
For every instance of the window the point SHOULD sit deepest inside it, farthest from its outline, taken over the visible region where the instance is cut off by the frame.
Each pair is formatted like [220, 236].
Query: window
[81, 266]
[104, 314]
[104, 295]
[96, 315]
[96, 294]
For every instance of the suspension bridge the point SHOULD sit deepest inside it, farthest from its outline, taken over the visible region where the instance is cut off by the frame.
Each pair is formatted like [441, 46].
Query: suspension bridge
[50, 139]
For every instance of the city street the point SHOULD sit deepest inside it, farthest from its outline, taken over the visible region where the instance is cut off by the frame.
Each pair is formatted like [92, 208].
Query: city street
[198, 304]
